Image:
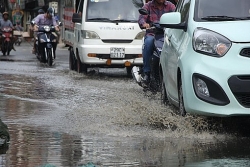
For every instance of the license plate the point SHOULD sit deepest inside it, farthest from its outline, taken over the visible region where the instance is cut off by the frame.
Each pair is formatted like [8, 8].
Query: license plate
[117, 53]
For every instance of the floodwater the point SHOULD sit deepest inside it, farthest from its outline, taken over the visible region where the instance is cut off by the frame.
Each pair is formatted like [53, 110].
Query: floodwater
[60, 118]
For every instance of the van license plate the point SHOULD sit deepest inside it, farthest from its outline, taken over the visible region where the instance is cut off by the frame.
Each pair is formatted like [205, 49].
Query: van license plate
[117, 53]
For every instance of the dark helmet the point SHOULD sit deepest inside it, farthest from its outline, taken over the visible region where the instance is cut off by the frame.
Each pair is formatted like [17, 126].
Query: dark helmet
[50, 11]
[5, 13]
[41, 11]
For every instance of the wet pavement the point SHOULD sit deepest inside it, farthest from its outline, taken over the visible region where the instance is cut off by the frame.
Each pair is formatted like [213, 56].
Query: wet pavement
[57, 117]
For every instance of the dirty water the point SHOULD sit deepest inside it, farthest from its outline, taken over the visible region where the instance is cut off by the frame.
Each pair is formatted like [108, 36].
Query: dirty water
[64, 119]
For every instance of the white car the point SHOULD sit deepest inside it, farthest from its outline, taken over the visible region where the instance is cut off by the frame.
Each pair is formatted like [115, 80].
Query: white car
[205, 61]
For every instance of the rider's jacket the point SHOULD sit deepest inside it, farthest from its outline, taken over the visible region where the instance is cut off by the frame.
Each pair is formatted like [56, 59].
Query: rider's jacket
[154, 13]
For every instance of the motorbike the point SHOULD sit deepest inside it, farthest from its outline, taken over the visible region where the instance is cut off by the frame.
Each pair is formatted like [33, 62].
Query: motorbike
[6, 40]
[46, 43]
[137, 73]
[19, 37]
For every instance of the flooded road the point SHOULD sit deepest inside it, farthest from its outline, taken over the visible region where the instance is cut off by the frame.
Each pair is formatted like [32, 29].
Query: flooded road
[57, 117]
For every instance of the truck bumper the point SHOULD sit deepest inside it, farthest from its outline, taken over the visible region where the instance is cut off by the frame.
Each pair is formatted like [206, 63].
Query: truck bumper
[99, 55]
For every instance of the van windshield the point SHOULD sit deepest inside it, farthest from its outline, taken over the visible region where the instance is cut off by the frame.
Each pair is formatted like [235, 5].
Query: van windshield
[222, 10]
[113, 10]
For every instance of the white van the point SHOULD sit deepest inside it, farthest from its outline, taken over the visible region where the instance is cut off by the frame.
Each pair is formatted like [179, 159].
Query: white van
[107, 35]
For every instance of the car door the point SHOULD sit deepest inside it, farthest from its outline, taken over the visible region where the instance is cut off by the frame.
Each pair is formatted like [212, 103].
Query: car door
[176, 38]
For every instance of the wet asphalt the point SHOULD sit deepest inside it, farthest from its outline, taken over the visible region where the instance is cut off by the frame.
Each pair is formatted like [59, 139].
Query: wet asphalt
[57, 117]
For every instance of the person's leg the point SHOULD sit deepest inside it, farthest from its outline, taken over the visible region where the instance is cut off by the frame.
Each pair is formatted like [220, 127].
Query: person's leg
[34, 44]
[13, 40]
[147, 52]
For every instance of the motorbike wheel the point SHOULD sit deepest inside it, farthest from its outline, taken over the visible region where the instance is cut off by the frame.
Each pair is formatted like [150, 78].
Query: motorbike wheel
[42, 56]
[5, 47]
[8, 47]
[50, 57]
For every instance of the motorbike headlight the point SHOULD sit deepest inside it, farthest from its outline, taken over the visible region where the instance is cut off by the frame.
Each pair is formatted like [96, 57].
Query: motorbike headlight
[46, 28]
[210, 43]
[89, 35]
[140, 35]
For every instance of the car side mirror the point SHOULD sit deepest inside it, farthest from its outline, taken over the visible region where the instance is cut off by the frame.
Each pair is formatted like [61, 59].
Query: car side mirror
[76, 18]
[172, 20]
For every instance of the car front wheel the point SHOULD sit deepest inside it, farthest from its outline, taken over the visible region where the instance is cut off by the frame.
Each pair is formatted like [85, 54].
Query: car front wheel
[182, 110]
[164, 98]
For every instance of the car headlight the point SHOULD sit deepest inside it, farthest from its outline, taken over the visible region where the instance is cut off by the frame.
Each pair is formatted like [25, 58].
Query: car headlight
[210, 43]
[140, 35]
[89, 35]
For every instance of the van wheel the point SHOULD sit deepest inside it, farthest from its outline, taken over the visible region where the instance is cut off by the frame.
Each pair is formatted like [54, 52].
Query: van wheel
[164, 98]
[72, 60]
[84, 68]
[182, 110]
[81, 67]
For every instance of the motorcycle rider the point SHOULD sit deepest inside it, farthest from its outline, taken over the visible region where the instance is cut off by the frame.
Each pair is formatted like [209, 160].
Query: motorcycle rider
[155, 8]
[40, 11]
[5, 22]
[45, 19]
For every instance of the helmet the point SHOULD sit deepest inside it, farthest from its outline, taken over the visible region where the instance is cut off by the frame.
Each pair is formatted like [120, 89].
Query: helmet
[5, 13]
[50, 11]
[41, 11]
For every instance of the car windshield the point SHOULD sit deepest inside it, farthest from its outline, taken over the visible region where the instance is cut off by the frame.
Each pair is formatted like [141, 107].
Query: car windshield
[113, 10]
[222, 10]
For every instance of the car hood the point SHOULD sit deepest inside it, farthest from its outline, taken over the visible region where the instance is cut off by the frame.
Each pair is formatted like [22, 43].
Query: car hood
[236, 31]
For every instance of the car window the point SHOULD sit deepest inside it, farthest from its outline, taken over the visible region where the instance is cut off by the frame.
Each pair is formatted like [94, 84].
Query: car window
[183, 8]
[222, 10]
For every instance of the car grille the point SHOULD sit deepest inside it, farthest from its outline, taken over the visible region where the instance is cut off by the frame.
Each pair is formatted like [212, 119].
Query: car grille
[245, 52]
[244, 99]
[239, 86]
[116, 41]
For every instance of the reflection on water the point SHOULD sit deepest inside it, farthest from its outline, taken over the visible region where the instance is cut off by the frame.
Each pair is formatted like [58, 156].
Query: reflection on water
[25, 102]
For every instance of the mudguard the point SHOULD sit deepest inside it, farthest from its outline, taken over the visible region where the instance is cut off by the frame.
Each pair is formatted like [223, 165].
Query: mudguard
[49, 45]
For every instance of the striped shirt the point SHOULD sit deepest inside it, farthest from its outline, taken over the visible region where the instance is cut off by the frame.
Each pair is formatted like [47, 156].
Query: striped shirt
[154, 13]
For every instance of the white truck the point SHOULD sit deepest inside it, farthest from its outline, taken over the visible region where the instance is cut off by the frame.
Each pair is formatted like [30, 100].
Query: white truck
[103, 33]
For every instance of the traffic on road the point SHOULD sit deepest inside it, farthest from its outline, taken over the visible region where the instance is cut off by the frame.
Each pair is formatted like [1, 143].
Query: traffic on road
[68, 97]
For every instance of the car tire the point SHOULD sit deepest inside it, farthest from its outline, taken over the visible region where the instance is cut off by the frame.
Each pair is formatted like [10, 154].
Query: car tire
[182, 110]
[164, 98]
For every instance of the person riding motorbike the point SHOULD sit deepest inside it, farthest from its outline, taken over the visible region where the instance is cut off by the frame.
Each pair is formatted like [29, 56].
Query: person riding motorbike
[5, 22]
[155, 8]
[40, 11]
[42, 20]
